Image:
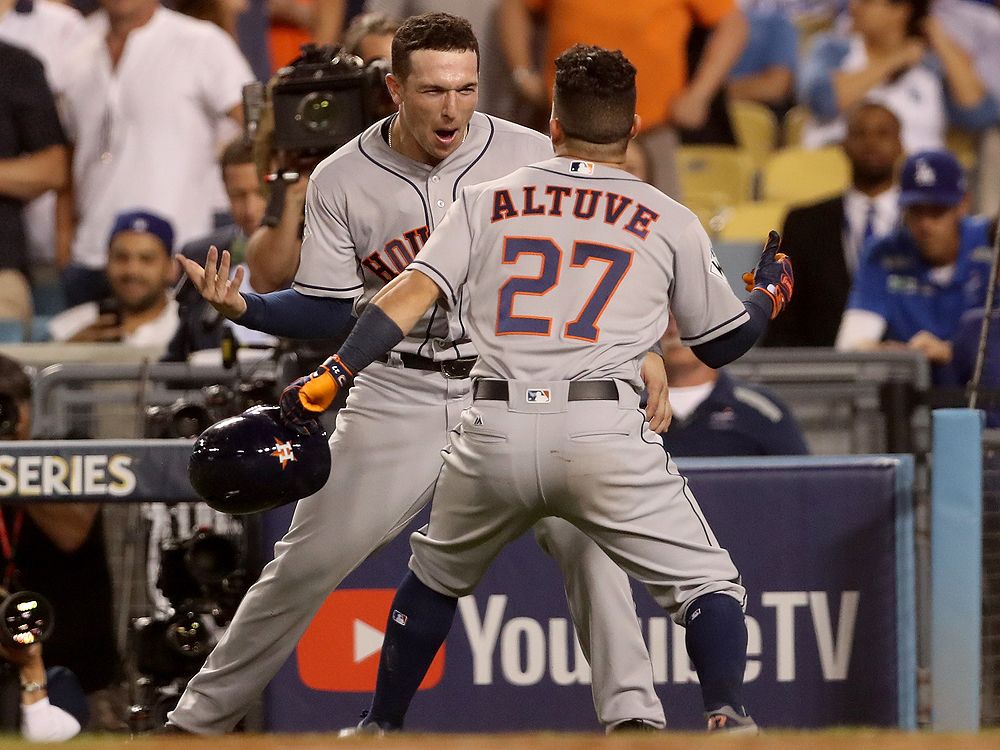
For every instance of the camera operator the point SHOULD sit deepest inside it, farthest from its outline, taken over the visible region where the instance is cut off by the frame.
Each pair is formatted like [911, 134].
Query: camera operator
[288, 151]
[57, 549]
[51, 706]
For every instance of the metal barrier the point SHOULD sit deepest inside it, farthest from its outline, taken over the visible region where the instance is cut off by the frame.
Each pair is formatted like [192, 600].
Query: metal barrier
[848, 403]
[89, 400]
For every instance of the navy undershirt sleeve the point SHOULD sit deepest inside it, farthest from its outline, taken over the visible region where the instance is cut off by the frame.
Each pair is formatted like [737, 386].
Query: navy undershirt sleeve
[737, 342]
[375, 335]
[294, 315]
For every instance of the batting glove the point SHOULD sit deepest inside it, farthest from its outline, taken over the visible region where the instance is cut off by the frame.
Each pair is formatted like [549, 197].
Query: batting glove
[773, 275]
[303, 400]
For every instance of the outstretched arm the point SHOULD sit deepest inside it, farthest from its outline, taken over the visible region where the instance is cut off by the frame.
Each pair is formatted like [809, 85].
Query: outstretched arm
[286, 313]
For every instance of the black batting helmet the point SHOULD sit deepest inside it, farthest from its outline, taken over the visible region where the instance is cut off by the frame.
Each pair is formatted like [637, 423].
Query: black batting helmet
[254, 462]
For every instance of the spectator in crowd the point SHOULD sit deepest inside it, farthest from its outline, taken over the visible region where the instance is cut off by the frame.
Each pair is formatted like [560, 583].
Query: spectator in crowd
[52, 706]
[57, 550]
[913, 286]
[826, 238]
[898, 55]
[201, 327]
[715, 415]
[144, 133]
[497, 95]
[50, 31]
[653, 34]
[765, 72]
[298, 22]
[975, 25]
[140, 270]
[369, 36]
[33, 159]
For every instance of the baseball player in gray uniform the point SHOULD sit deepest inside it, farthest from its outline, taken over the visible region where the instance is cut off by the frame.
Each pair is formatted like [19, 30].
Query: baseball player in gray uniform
[570, 266]
[369, 209]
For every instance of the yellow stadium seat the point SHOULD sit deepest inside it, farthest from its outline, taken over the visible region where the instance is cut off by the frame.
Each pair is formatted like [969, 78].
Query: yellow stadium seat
[963, 145]
[793, 123]
[756, 128]
[798, 175]
[706, 206]
[749, 222]
[726, 170]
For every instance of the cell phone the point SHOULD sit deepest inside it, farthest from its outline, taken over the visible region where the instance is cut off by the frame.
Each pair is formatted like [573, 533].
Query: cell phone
[110, 306]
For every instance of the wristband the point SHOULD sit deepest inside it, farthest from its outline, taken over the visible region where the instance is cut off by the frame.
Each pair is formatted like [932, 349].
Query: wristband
[33, 687]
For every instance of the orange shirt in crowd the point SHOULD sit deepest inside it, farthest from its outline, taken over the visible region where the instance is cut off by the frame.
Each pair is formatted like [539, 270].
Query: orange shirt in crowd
[651, 33]
[286, 40]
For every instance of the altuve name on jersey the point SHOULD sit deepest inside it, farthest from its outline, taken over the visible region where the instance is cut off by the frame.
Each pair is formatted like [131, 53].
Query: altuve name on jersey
[388, 262]
[581, 203]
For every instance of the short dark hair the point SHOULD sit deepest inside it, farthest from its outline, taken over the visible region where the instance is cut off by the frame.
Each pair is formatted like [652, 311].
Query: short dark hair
[236, 152]
[595, 94]
[14, 381]
[442, 32]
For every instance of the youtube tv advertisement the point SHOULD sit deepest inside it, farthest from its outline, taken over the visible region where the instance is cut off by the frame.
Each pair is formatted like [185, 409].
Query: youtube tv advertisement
[825, 549]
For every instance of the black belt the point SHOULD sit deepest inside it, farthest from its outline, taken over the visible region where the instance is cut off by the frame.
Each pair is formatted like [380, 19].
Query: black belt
[579, 390]
[450, 368]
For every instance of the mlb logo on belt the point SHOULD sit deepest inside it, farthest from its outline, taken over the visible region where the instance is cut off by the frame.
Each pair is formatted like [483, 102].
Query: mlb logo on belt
[539, 396]
[339, 652]
[582, 167]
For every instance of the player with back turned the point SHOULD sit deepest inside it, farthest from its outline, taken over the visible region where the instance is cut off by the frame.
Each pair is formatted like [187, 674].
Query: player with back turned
[369, 208]
[571, 267]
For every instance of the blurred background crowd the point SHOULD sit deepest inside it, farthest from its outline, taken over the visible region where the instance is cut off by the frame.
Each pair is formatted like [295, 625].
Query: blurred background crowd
[867, 131]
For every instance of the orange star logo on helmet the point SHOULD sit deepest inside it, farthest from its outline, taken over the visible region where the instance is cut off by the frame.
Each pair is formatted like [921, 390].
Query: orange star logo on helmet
[283, 452]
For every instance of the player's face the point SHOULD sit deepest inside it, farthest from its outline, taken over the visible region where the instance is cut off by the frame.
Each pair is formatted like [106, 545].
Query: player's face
[936, 231]
[436, 101]
[873, 145]
[246, 201]
[138, 270]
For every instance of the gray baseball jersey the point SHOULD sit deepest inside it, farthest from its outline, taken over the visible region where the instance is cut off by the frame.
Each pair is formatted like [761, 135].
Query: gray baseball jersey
[571, 269]
[361, 234]
[368, 212]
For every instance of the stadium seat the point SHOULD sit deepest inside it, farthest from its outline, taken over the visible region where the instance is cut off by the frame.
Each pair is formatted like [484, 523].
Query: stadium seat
[726, 170]
[706, 207]
[749, 222]
[793, 124]
[756, 128]
[797, 175]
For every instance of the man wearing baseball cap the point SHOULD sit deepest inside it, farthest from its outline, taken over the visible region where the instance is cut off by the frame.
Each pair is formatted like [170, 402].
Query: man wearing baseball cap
[913, 286]
[140, 311]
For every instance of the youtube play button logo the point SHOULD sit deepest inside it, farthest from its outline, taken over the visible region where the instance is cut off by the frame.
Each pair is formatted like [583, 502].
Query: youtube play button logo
[339, 652]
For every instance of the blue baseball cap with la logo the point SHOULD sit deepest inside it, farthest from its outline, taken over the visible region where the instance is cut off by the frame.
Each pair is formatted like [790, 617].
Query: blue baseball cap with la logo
[140, 220]
[932, 178]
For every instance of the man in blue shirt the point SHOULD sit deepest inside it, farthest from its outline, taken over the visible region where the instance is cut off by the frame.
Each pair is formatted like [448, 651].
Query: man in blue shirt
[914, 285]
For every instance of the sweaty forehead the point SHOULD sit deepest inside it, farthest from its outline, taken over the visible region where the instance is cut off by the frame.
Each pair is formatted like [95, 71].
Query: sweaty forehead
[447, 69]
